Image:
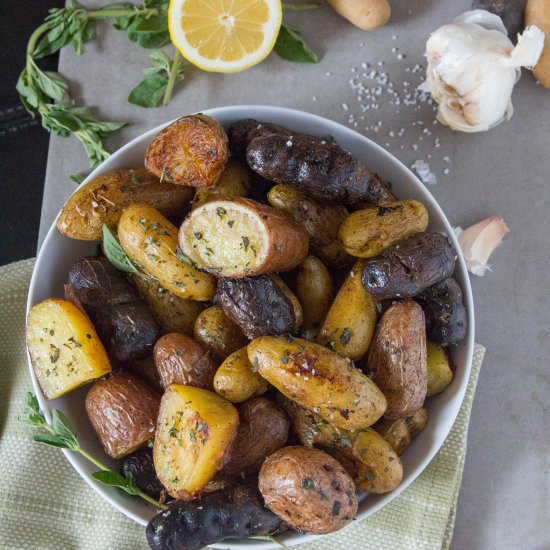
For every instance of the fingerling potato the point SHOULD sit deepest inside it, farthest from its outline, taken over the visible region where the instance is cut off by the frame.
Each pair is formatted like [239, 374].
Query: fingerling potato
[397, 358]
[123, 411]
[440, 374]
[350, 322]
[151, 242]
[191, 151]
[193, 440]
[319, 379]
[399, 433]
[296, 305]
[102, 201]
[241, 237]
[181, 360]
[64, 348]
[237, 380]
[368, 232]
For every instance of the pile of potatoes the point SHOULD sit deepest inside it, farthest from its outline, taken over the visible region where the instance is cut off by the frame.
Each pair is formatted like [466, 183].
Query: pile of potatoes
[259, 351]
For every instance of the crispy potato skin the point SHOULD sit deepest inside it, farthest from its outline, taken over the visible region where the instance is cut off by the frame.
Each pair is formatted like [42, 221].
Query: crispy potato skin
[123, 411]
[440, 374]
[236, 380]
[151, 241]
[321, 221]
[102, 201]
[409, 267]
[322, 170]
[191, 151]
[64, 348]
[350, 322]
[257, 305]
[217, 333]
[368, 232]
[263, 239]
[397, 358]
[235, 181]
[124, 323]
[236, 512]
[296, 305]
[315, 289]
[319, 379]
[172, 313]
[140, 466]
[446, 319]
[263, 429]
[308, 489]
[194, 437]
[399, 433]
[182, 360]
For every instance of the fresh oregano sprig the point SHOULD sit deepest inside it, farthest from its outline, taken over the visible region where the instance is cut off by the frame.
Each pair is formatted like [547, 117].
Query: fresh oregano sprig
[61, 434]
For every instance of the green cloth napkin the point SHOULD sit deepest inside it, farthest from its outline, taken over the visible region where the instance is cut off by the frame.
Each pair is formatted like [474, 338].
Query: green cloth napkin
[45, 504]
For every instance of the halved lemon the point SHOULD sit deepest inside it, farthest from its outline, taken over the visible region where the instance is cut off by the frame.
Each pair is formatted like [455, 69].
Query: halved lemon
[224, 36]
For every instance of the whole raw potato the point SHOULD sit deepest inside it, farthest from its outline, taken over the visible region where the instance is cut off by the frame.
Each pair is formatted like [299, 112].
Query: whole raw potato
[537, 13]
[365, 14]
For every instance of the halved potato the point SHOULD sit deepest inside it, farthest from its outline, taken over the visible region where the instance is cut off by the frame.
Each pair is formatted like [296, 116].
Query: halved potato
[151, 242]
[193, 440]
[440, 374]
[64, 347]
[242, 237]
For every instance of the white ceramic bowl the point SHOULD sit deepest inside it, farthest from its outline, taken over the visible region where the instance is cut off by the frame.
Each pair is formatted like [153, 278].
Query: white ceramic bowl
[58, 253]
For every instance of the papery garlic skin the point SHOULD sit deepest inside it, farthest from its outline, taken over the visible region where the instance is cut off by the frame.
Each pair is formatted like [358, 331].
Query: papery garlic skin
[472, 69]
[478, 241]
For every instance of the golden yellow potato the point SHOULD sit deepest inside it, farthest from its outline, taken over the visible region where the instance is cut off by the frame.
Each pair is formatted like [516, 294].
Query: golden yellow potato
[537, 12]
[172, 313]
[368, 232]
[319, 379]
[102, 201]
[193, 440]
[399, 433]
[365, 14]
[296, 305]
[440, 374]
[350, 322]
[314, 288]
[218, 333]
[236, 379]
[151, 242]
[64, 348]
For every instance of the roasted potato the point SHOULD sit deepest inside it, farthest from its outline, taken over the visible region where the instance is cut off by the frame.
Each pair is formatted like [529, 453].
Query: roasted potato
[314, 289]
[191, 151]
[123, 411]
[410, 266]
[235, 181]
[321, 221]
[440, 374]
[236, 512]
[319, 379]
[122, 320]
[217, 333]
[368, 232]
[146, 369]
[350, 322]
[181, 360]
[236, 379]
[397, 358]
[399, 433]
[446, 319]
[308, 489]
[319, 168]
[241, 237]
[172, 313]
[263, 429]
[102, 200]
[151, 242]
[140, 466]
[194, 437]
[257, 305]
[64, 348]
[296, 305]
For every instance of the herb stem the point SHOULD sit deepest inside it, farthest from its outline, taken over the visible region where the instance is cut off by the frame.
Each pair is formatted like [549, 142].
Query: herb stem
[171, 78]
[301, 6]
[92, 459]
[150, 500]
[33, 40]
[113, 14]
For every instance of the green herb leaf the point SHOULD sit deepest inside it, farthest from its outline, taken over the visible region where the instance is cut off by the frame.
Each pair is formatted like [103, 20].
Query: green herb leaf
[78, 178]
[115, 253]
[52, 440]
[292, 47]
[52, 84]
[63, 427]
[113, 479]
[149, 92]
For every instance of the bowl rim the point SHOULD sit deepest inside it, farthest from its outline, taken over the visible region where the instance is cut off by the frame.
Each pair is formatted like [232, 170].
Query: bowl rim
[241, 111]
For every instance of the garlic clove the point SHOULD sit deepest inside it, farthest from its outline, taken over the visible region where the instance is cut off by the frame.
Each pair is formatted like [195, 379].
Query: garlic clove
[478, 241]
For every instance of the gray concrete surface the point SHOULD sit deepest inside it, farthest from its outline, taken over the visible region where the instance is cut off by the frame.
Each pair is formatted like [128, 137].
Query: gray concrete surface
[505, 497]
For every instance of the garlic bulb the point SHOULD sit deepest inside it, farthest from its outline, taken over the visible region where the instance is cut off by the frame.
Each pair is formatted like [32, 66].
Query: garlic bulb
[472, 69]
